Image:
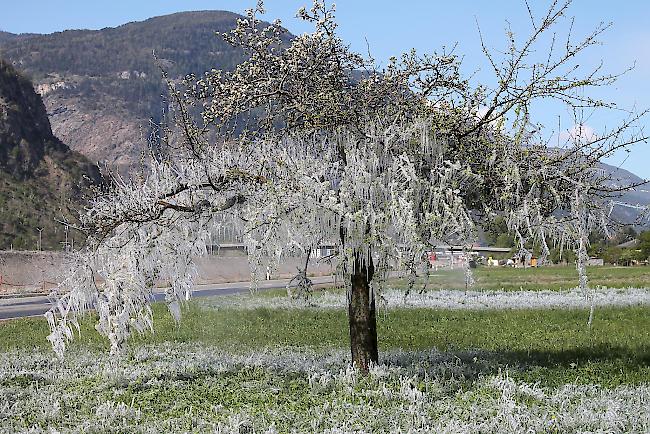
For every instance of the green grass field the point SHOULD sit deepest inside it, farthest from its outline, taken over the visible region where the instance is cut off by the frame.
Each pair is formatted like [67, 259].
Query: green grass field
[547, 278]
[284, 369]
[547, 346]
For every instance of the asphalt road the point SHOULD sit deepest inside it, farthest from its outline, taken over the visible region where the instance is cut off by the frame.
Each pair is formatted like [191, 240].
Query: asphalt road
[12, 308]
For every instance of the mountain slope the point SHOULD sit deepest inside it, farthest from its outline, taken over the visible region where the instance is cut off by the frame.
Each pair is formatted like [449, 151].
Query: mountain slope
[41, 179]
[6, 36]
[627, 206]
[102, 87]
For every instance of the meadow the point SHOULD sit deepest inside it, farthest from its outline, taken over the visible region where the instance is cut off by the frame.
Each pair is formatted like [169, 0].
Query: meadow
[450, 361]
[543, 278]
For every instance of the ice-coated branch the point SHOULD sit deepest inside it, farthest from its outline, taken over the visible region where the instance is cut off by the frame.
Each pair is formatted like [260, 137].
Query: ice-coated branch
[306, 142]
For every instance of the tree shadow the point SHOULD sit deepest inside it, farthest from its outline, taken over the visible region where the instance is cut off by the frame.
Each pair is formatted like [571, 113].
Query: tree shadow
[605, 365]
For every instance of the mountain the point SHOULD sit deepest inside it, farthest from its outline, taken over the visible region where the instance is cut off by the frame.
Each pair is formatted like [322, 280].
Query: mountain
[102, 88]
[627, 206]
[6, 36]
[41, 179]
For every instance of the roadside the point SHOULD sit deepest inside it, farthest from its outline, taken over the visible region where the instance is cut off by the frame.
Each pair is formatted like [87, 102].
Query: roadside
[22, 307]
[31, 274]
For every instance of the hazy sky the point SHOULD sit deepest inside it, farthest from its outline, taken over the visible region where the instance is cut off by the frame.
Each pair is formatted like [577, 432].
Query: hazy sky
[391, 27]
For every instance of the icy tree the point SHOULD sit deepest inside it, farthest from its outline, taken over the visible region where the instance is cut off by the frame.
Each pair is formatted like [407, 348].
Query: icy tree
[308, 142]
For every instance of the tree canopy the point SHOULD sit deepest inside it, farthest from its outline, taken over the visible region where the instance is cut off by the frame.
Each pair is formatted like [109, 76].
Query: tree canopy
[310, 142]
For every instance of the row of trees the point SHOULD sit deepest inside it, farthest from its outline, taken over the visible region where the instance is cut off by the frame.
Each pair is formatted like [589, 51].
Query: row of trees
[309, 141]
[622, 246]
[635, 249]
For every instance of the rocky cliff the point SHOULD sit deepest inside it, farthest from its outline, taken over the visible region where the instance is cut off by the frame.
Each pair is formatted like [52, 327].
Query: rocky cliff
[41, 179]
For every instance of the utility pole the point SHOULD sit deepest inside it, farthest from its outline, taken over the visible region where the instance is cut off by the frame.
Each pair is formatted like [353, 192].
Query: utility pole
[40, 238]
[65, 244]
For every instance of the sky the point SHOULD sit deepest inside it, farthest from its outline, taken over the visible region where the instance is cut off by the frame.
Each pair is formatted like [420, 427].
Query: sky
[387, 28]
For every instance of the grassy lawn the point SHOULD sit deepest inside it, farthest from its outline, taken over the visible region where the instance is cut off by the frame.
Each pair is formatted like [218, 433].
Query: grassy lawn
[265, 369]
[547, 346]
[546, 278]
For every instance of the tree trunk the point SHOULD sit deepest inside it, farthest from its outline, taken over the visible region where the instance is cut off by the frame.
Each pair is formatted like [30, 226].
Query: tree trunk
[362, 317]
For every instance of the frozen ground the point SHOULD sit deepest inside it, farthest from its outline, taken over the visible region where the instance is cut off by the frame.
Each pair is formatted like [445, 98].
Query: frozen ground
[195, 388]
[203, 387]
[448, 299]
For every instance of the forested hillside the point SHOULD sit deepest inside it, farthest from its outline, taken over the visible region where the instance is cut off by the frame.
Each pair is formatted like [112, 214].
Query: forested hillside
[102, 88]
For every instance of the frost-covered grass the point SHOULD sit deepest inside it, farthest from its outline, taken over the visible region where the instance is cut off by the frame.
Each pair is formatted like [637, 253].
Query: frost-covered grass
[447, 299]
[550, 346]
[277, 368]
[197, 388]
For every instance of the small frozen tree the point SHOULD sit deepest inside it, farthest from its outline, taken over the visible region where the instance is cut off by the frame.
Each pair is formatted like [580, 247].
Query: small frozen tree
[308, 141]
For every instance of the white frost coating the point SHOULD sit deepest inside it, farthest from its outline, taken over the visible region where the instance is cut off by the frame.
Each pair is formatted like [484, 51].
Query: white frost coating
[407, 392]
[450, 299]
[294, 148]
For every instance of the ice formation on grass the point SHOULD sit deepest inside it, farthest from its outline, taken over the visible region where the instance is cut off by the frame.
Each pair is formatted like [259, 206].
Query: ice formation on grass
[318, 392]
[449, 299]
